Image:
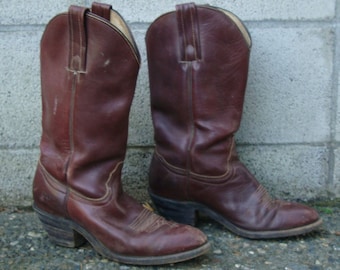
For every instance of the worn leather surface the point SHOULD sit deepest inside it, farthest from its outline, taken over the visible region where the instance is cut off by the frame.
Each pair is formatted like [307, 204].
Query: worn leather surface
[88, 77]
[198, 64]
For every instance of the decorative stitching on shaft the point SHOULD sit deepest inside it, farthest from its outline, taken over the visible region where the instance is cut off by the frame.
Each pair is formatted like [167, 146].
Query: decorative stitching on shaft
[266, 200]
[148, 221]
[196, 175]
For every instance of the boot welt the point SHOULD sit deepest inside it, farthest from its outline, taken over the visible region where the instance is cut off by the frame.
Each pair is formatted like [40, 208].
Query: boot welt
[67, 233]
[187, 212]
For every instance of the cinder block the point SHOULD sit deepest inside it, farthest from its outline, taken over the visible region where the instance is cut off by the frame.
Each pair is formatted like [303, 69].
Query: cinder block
[17, 172]
[295, 172]
[289, 87]
[32, 12]
[18, 169]
[334, 187]
[337, 134]
[135, 173]
[288, 102]
[140, 127]
[20, 110]
[40, 12]
[20, 103]
[287, 98]
[289, 172]
[140, 11]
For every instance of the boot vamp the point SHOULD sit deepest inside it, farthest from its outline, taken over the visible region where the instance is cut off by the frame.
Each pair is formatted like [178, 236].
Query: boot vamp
[243, 201]
[125, 227]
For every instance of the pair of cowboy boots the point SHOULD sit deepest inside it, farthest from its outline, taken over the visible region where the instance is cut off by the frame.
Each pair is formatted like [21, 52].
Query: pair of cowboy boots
[198, 63]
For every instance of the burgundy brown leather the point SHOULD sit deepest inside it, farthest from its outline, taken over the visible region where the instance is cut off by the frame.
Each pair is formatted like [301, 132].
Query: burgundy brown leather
[198, 60]
[88, 76]
[102, 10]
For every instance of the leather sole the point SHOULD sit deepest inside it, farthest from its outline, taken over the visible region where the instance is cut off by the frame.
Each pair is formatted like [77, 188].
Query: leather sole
[65, 232]
[187, 213]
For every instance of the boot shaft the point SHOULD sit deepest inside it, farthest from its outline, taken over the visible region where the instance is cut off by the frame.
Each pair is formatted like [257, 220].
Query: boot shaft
[198, 63]
[89, 66]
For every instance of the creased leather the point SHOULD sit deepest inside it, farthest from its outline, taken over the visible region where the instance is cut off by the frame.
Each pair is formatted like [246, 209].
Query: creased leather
[196, 108]
[88, 77]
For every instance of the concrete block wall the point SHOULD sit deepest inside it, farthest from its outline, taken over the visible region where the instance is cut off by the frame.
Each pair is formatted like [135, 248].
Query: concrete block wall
[290, 131]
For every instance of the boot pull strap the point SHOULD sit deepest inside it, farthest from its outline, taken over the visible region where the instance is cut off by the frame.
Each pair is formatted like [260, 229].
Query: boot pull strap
[102, 10]
[187, 22]
[77, 54]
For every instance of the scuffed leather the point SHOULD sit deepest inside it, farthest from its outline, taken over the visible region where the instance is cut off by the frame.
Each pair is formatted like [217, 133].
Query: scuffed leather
[197, 105]
[88, 76]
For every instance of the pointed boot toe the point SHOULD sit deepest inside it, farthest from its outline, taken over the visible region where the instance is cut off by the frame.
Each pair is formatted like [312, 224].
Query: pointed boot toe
[298, 218]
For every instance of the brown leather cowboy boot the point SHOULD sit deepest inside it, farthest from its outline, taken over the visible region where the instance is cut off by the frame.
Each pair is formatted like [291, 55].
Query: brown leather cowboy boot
[198, 64]
[89, 66]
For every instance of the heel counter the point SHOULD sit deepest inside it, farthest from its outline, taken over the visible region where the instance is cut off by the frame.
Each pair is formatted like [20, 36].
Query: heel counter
[48, 193]
[165, 182]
